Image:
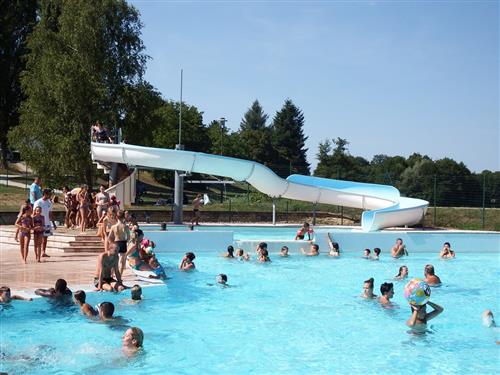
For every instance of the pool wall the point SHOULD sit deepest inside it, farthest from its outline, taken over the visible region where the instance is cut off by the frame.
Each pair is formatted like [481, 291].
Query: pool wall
[195, 241]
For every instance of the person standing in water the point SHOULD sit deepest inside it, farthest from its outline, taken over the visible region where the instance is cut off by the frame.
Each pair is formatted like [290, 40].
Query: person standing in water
[368, 289]
[120, 235]
[419, 315]
[399, 249]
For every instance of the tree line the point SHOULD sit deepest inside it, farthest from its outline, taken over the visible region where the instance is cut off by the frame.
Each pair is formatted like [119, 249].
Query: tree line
[65, 64]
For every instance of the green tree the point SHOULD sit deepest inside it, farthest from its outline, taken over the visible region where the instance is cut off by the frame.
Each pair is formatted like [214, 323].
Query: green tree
[288, 141]
[17, 19]
[255, 135]
[83, 57]
[386, 169]
[223, 141]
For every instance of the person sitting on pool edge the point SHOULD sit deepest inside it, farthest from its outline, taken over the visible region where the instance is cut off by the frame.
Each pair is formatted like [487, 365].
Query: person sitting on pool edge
[264, 256]
[314, 251]
[446, 252]
[402, 274]
[107, 264]
[241, 255]
[60, 291]
[6, 297]
[230, 252]
[419, 315]
[430, 277]
[366, 254]
[387, 292]
[85, 308]
[187, 263]
[377, 254]
[368, 289]
[284, 251]
[305, 229]
[132, 341]
[399, 249]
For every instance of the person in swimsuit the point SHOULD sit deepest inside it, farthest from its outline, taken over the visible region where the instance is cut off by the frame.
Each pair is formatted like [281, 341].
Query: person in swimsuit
[85, 308]
[6, 297]
[368, 289]
[132, 341]
[264, 256]
[284, 251]
[387, 292]
[38, 229]
[229, 253]
[314, 251]
[376, 255]
[100, 134]
[25, 224]
[305, 229]
[399, 249]
[107, 264]
[196, 210]
[260, 247]
[420, 317]
[102, 201]
[60, 291]
[133, 253]
[430, 277]
[84, 203]
[241, 255]
[402, 274]
[334, 247]
[187, 263]
[447, 253]
[366, 254]
[119, 234]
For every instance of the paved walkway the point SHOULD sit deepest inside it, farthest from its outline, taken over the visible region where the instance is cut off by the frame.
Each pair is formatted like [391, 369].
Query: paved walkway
[78, 269]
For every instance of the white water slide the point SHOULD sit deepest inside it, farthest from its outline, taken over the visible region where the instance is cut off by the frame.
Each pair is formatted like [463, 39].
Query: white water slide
[385, 207]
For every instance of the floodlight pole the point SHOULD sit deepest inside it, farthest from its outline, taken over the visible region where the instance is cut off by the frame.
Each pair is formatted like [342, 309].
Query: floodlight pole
[179, 175]
[274, 211]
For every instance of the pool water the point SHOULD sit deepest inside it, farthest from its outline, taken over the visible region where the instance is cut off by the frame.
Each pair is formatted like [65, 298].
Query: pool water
[296, 315]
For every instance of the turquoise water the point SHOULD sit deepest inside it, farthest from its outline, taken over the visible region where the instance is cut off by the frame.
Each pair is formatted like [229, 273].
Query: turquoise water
[296, 315]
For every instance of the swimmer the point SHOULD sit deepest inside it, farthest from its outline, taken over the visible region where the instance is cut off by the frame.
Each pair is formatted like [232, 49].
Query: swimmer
[260, 247]
[334, 247]
[132, 341]
[366, 254]
[230, 252]
[403, 273]
[314, 251]
[264, 256]
[447, 253]
[85, 308]
[399, 249]
[106, 311]
[419, 315]
[488, 319]
[222, 279]
[368, 289]
[187, 263]
[284, 251]
[430, 277]
[377, 254]
[387, 292]
[157, 268]
[136, 293]
[6, 297]
[241, 255]
[60, 291]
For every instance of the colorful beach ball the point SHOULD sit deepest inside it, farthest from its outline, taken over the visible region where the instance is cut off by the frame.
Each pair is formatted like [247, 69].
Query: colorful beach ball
[417, 292]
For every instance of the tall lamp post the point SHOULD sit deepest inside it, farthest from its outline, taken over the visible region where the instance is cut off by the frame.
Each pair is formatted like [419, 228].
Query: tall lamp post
[222, 122]
[179, 177]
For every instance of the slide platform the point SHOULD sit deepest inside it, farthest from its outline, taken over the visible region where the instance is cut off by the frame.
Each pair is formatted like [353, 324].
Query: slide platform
[383, 205]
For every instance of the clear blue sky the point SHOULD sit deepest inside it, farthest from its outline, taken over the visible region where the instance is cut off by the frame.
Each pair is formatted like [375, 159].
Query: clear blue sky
[391, 77]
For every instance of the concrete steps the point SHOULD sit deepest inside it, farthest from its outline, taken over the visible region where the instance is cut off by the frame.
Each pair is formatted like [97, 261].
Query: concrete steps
[63, 240]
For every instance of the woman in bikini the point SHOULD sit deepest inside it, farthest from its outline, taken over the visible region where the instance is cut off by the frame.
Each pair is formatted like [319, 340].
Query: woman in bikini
[38, 228]
[102, 201]
[25, 223]
[83, 200]
[107, 222]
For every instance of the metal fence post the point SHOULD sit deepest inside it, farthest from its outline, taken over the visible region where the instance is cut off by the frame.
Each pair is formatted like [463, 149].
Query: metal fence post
[483, 211]
[286, 217]
[314, 213]
[230, 212]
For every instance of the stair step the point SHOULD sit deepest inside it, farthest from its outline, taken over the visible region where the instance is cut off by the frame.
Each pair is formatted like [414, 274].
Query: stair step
[82, 249]
[86, 244]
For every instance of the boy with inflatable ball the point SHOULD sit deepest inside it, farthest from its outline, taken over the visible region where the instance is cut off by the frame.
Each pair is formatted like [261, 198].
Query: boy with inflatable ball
[417, 292]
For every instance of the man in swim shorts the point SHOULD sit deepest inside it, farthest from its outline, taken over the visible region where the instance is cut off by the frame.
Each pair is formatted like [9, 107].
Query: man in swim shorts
[107, 264]
[399, 249]
[430, 277]
[120, 235]
[196, 209]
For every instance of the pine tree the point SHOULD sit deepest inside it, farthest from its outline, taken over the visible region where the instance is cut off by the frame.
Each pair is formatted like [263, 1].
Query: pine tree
[254, 135]
[288, 141]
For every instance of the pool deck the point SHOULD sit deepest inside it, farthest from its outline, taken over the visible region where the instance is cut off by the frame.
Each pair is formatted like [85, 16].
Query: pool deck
[78, 269]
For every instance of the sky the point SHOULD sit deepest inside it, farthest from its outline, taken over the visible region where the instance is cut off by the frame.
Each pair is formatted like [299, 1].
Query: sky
[391, 77]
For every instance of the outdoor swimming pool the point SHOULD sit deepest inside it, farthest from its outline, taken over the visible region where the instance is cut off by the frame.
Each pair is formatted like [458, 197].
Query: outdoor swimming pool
[296, 315]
